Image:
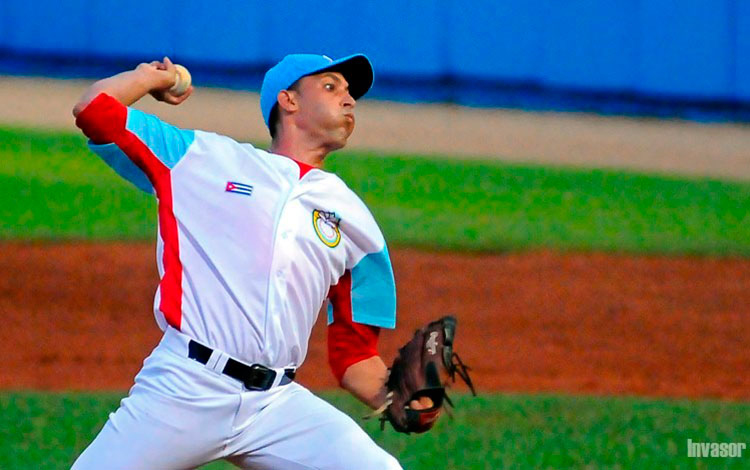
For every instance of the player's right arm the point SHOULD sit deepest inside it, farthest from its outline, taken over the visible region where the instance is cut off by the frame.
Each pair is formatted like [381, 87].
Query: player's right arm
[155, 78]
[140, 147]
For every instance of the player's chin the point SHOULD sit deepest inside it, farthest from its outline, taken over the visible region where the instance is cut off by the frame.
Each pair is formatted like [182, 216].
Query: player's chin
[337, 144]
[340, 139]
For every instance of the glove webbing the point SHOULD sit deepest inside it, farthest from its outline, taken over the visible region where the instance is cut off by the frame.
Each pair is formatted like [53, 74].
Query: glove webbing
[458, 367]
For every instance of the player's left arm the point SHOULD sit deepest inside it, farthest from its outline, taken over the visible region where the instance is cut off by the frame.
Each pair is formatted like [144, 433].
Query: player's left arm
[366, 381]
[352, 345]
[361, 303]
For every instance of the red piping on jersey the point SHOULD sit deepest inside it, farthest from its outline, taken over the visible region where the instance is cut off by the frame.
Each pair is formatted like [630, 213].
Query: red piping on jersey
[303, 168]
[348, 342]
[104, 121]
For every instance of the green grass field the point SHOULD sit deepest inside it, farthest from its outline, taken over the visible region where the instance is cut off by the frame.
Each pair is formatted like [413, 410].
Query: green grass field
[47, 431]
[52, 187]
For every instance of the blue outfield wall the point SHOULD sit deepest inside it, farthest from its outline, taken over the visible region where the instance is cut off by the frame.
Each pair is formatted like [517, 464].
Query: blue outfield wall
[666, 57]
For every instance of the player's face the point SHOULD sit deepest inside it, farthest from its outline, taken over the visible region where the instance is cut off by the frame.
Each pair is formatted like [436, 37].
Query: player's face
[326, 109]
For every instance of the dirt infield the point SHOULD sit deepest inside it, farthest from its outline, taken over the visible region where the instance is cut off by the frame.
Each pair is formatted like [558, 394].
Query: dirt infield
[77, 316]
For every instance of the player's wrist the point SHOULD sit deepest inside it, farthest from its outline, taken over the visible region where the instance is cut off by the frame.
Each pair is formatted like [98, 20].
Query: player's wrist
[148, 78]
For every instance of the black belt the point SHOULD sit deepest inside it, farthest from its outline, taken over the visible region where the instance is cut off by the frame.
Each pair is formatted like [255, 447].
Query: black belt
[255, 377]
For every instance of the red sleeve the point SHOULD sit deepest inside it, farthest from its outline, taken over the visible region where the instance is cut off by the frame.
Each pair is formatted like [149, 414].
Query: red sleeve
[103, 119]
[348, 342]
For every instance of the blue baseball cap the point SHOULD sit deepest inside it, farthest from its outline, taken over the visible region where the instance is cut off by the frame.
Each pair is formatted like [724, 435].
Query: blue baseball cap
[356, 69]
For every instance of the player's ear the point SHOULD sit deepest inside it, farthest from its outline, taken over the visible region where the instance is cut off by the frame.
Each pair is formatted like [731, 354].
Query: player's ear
[287, 100]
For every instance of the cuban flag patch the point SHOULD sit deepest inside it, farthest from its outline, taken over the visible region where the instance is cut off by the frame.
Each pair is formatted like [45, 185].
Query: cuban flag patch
[239, 188]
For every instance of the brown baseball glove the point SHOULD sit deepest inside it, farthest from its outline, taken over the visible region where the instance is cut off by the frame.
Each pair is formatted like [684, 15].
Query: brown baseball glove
[424, 367]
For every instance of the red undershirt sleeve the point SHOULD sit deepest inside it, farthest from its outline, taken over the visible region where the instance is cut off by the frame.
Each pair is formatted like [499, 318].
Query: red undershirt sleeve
[103, 120]
[348, 342]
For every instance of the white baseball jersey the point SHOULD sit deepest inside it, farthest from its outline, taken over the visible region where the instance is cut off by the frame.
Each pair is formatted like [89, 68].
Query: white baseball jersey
[249, 242]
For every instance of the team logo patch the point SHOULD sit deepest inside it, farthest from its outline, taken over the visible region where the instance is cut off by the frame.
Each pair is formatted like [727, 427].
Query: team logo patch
[239, 188]
[326, 226]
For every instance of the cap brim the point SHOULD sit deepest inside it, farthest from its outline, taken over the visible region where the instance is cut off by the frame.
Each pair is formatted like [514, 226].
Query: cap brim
[356, 69]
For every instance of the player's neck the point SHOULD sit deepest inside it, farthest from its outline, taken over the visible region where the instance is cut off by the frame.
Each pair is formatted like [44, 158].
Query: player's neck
[300, 150]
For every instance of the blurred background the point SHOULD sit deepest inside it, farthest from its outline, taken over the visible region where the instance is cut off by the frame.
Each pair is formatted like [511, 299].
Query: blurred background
[571, 179]
[641, 57]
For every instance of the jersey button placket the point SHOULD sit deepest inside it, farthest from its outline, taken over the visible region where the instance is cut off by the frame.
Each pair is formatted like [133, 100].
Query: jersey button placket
[283, 252]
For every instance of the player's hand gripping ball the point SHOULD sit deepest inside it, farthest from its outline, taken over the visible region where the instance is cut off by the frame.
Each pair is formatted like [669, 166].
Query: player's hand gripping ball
[424, 367]
[176, 91]
[182, 81]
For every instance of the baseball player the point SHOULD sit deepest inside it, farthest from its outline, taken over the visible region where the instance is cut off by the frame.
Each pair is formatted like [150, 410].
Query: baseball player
[250, 245]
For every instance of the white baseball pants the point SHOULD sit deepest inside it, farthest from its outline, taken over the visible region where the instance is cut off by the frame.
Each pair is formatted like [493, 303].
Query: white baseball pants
[181, 414]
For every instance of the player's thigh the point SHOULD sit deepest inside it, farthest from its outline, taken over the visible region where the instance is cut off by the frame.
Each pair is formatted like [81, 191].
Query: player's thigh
[300, 431]
[150, 432]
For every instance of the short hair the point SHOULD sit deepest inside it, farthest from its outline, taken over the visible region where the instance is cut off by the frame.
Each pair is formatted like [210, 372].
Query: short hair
[273, 118]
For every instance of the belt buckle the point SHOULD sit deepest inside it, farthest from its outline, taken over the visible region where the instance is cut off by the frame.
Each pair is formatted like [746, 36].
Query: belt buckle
[261, 378]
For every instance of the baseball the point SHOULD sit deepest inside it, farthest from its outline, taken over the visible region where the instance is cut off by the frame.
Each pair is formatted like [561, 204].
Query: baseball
[182, 81]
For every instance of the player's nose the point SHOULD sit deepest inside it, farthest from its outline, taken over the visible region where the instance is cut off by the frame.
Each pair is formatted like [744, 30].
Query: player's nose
[348, 101]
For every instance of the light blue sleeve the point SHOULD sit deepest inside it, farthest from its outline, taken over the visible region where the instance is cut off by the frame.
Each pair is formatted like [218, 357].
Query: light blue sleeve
[123, 166]
[374, 290]
[167, 142]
